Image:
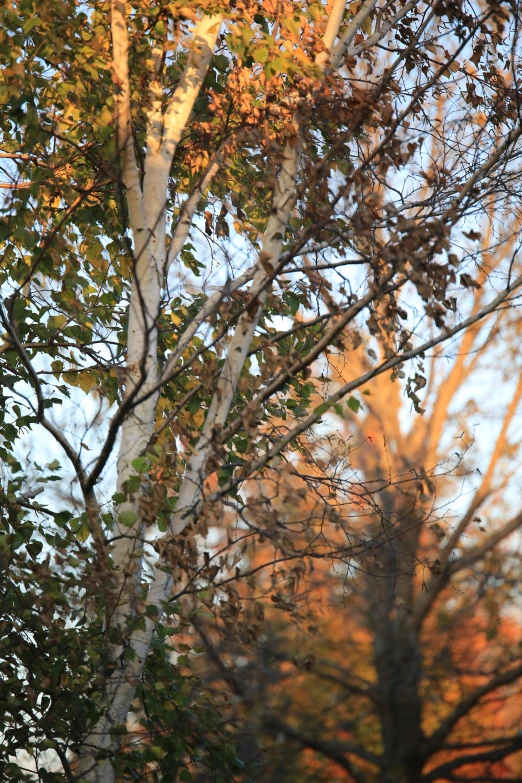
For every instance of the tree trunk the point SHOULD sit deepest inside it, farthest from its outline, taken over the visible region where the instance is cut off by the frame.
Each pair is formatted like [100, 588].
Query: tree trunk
[147, 213]
[397, 652]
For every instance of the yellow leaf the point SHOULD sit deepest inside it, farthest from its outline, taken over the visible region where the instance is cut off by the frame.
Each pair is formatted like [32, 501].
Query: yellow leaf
[199, 418]
[85, 381]
[261, 55]
[83, 532]
[57, 321]
[176, 320]
[292, 23]
[302, 57]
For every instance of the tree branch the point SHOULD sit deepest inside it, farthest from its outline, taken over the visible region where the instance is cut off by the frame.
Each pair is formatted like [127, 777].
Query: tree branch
[436, 740]
[313, 418]
[336, 751]
[444, 770]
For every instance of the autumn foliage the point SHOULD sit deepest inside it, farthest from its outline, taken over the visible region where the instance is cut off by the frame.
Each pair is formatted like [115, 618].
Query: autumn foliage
[255, 258]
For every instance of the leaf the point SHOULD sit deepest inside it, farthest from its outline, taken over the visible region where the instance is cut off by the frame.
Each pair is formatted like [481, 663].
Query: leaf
[293, 301]
[199, 418]
[292, 23]
[29, 24]
[354, 404]
[62, 518]
[127, 518]
[141, 464]
[477, 53]
[261, 55]
[321, 409]
[468, 282]
[83, 532]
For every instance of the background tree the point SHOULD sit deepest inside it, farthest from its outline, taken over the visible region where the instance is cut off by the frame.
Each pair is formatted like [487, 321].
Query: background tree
[201, 201]
[404, 663]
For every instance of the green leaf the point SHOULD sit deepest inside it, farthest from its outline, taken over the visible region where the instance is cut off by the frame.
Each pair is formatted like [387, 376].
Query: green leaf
[321, 408]
[141, 464]
[127, 518]
[83, 532]
[30, 23]
[62, 518]
[292, 301]
[354, 404]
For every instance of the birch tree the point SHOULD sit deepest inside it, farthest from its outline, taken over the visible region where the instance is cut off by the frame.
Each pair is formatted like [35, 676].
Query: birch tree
[201, 202]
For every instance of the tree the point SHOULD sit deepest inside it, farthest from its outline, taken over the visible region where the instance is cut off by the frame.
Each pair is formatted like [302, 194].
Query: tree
[399, 660]
[202, 201]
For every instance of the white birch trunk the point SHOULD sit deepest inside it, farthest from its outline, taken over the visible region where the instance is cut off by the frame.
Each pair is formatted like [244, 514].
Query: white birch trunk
[284, 200]
[147, 218]
[283, 203]
[164, 134]
[147, 214]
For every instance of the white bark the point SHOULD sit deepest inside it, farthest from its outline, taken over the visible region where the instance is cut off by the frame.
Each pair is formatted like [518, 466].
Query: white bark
[283, 202]
[163, 137]
[147, 219]
[351, 30]
[141, 340]
[207, 309]
[332, 29]
[284, 199]
[188, 210]
[193, 480]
